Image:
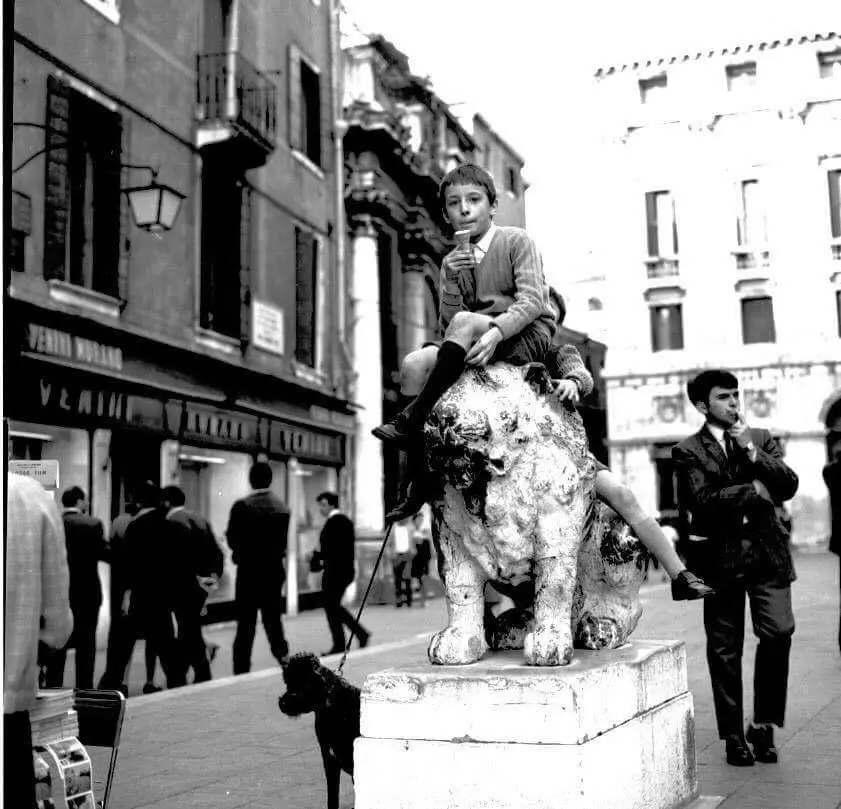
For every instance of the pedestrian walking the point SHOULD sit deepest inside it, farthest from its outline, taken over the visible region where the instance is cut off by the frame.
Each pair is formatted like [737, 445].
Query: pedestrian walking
[401, 560]
[421, 557]
[86, 547]
[37, 614]
[258, 527]
[122, 635]
[199, 559]
[832, 477]
[733, 481]
[337, 559]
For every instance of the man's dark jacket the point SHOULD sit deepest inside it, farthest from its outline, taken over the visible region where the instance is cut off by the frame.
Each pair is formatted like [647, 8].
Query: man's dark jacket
[86, 546]
[198, 552]
[725, 507]
[257, 532]
[338, 549]
[153, 578]
[832, 477]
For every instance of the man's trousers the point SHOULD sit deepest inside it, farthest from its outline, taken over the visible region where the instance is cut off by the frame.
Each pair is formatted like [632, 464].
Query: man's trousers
[253, 597]
[773, 625]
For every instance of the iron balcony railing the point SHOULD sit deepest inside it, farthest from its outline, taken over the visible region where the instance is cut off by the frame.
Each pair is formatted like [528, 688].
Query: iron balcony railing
[230, 88]
[658, 267]
[747, 259]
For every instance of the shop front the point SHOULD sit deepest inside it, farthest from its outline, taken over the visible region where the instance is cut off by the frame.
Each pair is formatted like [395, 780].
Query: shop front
[114, 416]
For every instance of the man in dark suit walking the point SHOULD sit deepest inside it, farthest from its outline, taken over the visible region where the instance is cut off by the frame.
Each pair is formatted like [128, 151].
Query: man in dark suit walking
[733, 482]
[257, 533]
[198, 557]
[336, 558]
[86, 547]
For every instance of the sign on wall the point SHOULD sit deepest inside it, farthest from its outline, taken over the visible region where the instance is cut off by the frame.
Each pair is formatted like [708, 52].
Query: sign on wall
[267, 326]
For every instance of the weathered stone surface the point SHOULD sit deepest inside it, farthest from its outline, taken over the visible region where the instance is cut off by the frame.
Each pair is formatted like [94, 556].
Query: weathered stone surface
[502, 700]
[515, 503]
[645, 763]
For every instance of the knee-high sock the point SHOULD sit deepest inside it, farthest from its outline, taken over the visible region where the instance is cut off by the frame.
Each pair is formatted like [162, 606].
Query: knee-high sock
[444, 374]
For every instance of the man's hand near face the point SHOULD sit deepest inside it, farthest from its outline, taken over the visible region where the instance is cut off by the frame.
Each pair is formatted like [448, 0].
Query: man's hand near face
[741, 435]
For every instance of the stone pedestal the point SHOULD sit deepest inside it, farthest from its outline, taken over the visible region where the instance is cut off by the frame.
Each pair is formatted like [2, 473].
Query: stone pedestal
[613, 730]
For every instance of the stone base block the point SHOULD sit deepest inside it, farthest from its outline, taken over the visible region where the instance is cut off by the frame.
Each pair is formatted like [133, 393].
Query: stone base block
[638, 752]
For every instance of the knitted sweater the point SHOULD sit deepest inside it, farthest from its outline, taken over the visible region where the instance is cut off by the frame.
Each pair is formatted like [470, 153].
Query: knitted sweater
[564, 362]
[508, 285]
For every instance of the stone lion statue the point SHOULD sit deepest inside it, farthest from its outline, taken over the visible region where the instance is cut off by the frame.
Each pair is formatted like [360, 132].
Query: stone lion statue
[513, 503]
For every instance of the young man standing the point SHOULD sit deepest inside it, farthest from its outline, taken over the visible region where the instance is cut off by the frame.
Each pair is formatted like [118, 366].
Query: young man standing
[733, 482]
[336, 559]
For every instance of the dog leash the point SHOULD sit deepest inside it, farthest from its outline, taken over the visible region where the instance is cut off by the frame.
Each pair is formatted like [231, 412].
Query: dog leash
[365, 598]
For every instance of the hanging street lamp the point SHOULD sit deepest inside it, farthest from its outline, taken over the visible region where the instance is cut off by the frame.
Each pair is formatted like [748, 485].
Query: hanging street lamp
[154, 206]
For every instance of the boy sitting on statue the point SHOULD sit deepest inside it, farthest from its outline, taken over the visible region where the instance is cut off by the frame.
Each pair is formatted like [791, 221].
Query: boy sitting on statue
[495, 306]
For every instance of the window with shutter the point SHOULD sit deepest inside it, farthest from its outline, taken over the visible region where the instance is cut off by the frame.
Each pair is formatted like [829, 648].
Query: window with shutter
[225, 250]
[661, 224]
[758, 320]
[83, 204]
[311, 113]
[751, 228]
[295, 141]
[306, 280]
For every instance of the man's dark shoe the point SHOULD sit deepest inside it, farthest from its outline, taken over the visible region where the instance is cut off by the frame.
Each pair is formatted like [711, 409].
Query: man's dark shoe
[397, 431]
[738, 752]
[688, 587]
[761, 738]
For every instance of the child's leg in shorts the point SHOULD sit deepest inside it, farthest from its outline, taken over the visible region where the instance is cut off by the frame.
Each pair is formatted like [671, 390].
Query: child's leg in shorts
[624, 502]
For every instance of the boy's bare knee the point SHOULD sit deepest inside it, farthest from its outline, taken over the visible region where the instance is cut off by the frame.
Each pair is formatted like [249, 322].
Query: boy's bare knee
[415, 369]
[461, 322]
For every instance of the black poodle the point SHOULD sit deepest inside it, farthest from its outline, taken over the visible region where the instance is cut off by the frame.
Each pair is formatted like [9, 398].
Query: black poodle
[335, 702]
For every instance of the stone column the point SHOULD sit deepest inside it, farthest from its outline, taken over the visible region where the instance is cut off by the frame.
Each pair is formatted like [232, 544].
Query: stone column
[367, 366]
[414, 309]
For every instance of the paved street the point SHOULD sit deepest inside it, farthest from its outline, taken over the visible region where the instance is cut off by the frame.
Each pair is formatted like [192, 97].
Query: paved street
[225, 744]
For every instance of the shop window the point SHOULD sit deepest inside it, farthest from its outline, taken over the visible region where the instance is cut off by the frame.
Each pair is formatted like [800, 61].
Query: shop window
[225, 250]
[305, 107]
[306, 295]
[661, 224]
[47, 442]
[82, 205]
[667, 327]
[829, 64]
[751, 226]
[741, 78]
[758, 320]
[653, 89]
[834, 178]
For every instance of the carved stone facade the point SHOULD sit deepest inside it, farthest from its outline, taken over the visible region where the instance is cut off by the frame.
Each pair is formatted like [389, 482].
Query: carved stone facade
[400, 140]
[724, 216]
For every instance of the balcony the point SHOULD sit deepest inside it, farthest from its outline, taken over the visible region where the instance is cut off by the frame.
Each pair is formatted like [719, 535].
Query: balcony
[835, 246]
[748, 259]
[657, 267]
[236, 109]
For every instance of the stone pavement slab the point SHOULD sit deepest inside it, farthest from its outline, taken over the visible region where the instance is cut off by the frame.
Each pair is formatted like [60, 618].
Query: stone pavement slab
[225, 744]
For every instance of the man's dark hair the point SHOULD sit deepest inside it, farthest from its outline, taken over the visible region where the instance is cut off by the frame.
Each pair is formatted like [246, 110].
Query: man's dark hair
[174, 495]
[331, 498]
[467, 174]
[699, 387]
[72, 496]
[148, 495]
[260, 476]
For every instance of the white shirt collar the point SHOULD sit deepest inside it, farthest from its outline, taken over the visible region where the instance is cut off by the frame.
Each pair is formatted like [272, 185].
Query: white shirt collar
[717, 434]
[485, 242]
[176, 508]
[333, 513]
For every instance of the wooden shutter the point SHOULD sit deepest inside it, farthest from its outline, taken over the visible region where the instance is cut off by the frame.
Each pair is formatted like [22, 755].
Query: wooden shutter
[107, 202]
[305, 254]
[674, 226]
[56, 195]
[294, 105]
[327, 135]
[675, 321]
[835, 203]
[651, 223]
[125, 215]
[245, 267]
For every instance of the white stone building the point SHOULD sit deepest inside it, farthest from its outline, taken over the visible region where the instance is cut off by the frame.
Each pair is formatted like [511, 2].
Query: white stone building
[720, 215]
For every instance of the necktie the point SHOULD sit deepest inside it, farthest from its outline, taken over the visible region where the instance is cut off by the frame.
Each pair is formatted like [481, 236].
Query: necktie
[730, 448]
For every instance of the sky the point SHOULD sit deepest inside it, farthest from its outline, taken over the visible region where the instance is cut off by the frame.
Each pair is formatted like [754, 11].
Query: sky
[527, 66]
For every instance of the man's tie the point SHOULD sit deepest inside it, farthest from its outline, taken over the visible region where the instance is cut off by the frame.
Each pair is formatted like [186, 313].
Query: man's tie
[731, 452]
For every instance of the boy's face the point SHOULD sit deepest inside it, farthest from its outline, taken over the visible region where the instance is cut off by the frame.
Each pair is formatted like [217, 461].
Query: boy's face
[723, 409]
[467, 207]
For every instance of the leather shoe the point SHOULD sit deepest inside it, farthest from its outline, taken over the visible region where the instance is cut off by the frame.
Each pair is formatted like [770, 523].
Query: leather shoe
[410, 505]
[738, 752]
[688, 587]
[761, 738]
